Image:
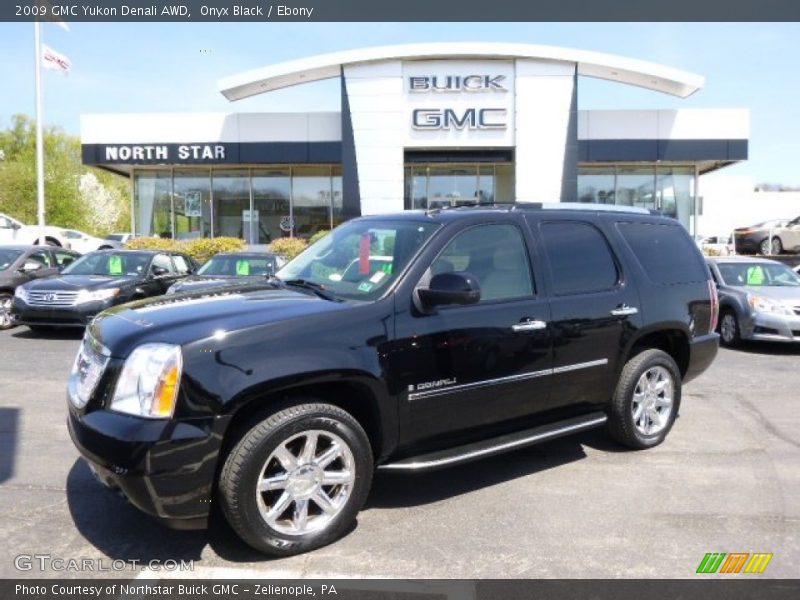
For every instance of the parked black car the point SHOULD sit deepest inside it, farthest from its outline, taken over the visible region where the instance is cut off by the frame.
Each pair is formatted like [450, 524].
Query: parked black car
[759, 299]
[755, 239]
[21, 264]
[489, 329]
[95, 282]
[227, 269]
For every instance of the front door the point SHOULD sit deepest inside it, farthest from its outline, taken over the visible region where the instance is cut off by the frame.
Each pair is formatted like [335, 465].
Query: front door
[471, 366]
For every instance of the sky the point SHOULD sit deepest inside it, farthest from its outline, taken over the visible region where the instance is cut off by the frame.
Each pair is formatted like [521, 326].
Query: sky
[174, 67]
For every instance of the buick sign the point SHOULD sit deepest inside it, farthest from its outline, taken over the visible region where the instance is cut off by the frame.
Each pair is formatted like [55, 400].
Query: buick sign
[457, 83]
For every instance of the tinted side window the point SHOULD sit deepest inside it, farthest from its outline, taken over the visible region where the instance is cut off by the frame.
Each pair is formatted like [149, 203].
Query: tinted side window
[42, 257]
[580, 258]
[666, 252]
[495, 255]
[163, 261]
[64, 258]
[181, 265]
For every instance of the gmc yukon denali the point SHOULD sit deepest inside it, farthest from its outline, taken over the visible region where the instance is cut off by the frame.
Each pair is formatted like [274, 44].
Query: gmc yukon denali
[400, 342]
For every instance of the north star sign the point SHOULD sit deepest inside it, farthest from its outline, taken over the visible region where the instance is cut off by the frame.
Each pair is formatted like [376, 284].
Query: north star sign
[162, 152]
[448, 118]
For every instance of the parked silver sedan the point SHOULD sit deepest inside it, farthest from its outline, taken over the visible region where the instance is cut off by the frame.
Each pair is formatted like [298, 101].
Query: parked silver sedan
[759, 300]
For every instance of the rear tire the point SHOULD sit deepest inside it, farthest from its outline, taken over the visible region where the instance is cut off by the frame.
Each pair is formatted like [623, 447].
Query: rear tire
[272, 487]
[646, 400]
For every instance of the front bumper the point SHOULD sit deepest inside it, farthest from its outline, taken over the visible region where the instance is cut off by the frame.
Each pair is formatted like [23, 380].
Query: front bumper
[768, 327]
[79, 315]
[166, 468]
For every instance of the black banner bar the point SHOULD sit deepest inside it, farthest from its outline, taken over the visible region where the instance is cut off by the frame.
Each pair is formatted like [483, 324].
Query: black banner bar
[401, 10]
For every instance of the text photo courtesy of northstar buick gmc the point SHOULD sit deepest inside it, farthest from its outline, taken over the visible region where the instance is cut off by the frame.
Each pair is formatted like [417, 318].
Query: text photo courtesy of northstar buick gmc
[489, 329]
[94, 283]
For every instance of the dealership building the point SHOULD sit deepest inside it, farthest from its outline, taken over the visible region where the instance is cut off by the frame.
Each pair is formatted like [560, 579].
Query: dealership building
[420, 126]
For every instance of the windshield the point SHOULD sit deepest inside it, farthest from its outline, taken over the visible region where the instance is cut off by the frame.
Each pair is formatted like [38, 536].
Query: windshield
[237, 265]
[110, 265]
[361, 258]
[7, 258]
[758, 274]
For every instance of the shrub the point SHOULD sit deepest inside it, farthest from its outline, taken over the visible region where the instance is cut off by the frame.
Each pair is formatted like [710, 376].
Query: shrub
[154, 243]
[288, 247]
[318, 236]
[201, 249]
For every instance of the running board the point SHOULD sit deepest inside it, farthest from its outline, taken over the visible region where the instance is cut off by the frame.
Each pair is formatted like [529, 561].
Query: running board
[504, 443]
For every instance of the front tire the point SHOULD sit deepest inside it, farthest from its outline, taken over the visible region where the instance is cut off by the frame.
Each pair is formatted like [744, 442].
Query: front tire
[5, 311]
[296, 480]
[729, 331]
[646, 400]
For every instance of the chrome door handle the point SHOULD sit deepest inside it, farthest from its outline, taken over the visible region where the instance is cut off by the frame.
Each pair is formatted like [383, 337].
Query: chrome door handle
[624, 311]
[529, 325]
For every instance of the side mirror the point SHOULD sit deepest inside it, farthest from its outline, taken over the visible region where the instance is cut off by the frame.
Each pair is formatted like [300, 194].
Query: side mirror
[159, 271]
[30, 266]
[450, 288]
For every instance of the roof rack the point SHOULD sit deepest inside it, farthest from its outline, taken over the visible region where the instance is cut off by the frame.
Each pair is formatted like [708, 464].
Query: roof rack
[586, 206]
[583, 206]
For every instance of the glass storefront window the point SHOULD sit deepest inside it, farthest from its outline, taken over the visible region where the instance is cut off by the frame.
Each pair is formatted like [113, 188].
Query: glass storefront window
[152, 205]
[338, 196]
[272, 190]
[311, 200]
[596, 186]
[636, 187]
[231, 203]
[668, 189]
[192, 201]
[436, 186]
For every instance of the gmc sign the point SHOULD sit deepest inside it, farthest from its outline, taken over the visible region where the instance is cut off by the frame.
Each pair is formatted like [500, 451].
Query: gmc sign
[447, 118]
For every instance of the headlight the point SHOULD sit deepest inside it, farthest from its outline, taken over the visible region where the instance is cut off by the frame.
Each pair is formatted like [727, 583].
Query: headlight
[21, 293]
[96, 296]
[148, 384]
[765, 305]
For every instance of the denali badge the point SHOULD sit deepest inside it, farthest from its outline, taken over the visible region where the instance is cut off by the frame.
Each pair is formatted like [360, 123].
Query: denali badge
[432, 384]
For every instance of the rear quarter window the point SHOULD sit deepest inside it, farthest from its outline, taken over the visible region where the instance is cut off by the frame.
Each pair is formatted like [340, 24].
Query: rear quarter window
[665, 252]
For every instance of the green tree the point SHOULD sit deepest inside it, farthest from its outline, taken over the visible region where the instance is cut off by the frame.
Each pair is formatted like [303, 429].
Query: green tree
[65, 204]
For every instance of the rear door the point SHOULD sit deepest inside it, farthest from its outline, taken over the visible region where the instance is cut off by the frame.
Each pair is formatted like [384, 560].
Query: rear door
[594, 308]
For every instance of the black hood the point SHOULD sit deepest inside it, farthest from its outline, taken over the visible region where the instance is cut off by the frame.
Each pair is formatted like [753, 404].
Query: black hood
[187, 318]
[72, 283]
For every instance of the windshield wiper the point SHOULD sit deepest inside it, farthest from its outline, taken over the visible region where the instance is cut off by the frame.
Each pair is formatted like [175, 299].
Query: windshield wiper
[316, 288]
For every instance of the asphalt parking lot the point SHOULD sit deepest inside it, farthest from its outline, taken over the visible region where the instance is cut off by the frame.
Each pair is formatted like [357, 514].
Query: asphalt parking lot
[726, 480]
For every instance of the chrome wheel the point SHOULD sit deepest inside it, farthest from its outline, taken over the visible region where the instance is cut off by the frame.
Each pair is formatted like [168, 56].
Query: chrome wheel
[5, 312]
[306, 482]
[653, 400]
[727, 328]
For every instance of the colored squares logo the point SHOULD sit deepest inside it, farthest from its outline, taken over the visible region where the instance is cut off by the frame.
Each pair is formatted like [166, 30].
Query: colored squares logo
[734, 562]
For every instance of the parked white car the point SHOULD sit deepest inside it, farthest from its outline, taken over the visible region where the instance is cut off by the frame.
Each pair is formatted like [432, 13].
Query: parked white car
[13, 231]
[83, 242]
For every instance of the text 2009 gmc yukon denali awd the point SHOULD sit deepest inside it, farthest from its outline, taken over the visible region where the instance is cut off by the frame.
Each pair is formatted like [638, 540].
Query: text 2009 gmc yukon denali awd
[403, 342]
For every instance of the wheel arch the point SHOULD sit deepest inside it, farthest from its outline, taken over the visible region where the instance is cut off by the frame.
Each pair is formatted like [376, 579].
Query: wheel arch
[672, 340]
[356, 395]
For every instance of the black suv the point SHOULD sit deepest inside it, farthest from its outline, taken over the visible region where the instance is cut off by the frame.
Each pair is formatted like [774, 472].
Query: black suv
[400, 342]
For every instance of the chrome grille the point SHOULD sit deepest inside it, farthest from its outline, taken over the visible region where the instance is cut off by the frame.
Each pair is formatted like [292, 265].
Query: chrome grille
[51, 298]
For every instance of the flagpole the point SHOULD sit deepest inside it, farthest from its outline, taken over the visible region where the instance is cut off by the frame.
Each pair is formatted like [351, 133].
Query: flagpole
[39, 141]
